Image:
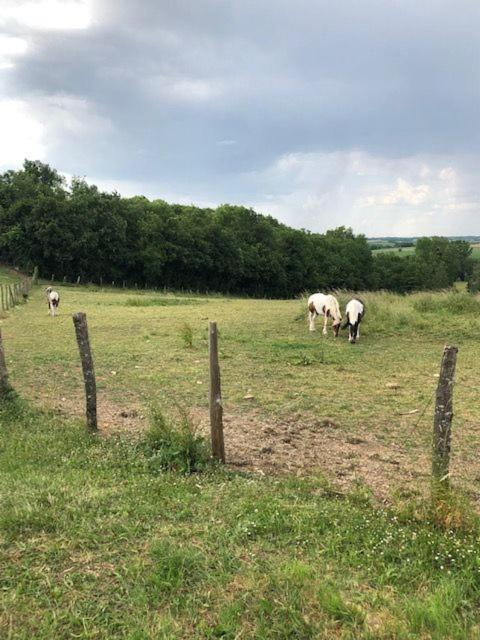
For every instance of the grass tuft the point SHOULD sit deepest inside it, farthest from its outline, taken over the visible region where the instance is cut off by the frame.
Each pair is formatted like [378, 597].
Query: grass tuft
[186, 334]
[174, 445]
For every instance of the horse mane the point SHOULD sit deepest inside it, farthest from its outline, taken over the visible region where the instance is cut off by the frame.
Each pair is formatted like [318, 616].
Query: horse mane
[334, 304]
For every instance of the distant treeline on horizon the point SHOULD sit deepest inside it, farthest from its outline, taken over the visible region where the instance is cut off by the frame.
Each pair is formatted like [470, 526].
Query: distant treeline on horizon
[77, 230]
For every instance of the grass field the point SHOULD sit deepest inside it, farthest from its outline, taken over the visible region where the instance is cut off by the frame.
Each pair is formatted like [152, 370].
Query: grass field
[313, 398]
[408, 251]
[401, 251]
[96, 542]
[476, 251]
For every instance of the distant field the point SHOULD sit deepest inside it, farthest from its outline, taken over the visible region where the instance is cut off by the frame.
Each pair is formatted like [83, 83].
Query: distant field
[476, 251]
[287, 543]
[401, 251]
[408, 251]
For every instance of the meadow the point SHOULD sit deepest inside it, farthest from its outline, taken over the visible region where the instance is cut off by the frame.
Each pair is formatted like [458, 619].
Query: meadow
[409, 251]
[319, 527]
[400, 251]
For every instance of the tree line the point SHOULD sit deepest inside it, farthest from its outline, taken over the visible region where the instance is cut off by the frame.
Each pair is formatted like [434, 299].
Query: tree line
[77, 230]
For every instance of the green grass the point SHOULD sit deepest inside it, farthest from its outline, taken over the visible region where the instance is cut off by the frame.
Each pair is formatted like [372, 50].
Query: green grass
[400, 251]
[476, 251]
[158, 353]
[408, 251]
[114, 538]
[95, 543]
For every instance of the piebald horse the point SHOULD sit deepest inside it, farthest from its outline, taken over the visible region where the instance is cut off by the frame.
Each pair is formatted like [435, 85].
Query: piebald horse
[321, 304]
[53, 300]
[354, 312]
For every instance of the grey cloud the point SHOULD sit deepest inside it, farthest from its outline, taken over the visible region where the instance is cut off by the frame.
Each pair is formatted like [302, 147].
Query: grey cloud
[175, 79]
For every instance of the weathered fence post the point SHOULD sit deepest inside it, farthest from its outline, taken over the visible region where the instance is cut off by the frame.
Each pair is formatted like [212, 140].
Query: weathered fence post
[35, 276]
[442, 423]
[5, 387]
[81, 330]
[216, 407]
[3, 298]
[12, 300]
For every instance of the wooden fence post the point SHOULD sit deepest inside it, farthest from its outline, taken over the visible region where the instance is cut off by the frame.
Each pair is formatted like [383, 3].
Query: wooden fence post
[81, 330]
[3, 298]
[11, 295]
[216, 407]
[35, 276]
[5, 387]
[442, 423]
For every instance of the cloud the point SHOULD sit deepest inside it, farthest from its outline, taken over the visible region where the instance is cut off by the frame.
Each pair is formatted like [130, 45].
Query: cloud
[21, 134]
[47, 14]
[375, 195]
[321, 113]
[404, 193]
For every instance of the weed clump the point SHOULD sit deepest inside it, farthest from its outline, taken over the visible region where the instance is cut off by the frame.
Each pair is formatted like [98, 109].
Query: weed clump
[174, 445]
[186, 334]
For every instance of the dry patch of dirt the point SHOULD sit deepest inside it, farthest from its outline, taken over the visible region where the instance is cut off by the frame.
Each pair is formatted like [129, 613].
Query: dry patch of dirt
[297, 444]
[303, 444]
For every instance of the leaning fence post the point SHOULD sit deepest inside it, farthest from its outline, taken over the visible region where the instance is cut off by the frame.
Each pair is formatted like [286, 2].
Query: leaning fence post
[216, 407]
[3, 298]
[81, 330]
[5, 387]
[442, 423]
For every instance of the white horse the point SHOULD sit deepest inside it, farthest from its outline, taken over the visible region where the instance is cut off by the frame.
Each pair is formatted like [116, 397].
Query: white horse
[321, 304]
[354, 312]
[53, 300]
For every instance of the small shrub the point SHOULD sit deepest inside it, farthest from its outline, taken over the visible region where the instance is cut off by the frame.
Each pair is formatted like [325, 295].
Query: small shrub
[174, 446]
[186, 334]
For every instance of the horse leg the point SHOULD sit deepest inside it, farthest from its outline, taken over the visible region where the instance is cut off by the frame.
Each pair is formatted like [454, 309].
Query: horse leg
[311, 320]
[325, 325]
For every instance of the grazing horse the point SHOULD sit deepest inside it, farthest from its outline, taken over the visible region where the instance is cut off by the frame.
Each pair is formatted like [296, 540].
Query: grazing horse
[321, 304]
[53, 300]
[354, 312]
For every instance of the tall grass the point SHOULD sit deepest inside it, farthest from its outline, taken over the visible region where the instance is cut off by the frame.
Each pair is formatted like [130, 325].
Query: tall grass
[174, 445]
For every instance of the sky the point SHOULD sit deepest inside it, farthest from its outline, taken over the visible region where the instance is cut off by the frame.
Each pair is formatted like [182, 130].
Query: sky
[363, 113]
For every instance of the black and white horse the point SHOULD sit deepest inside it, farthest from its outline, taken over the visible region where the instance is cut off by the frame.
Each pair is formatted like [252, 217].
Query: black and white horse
[321, 304]
[53, 300]
[354, 312]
